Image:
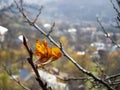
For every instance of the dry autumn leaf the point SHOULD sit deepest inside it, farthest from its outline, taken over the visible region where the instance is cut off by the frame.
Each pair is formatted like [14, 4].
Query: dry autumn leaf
[46, 54]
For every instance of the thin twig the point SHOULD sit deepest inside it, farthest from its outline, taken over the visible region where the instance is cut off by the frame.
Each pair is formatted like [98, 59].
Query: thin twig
[106, 34]
[9, 72]
[80, 78]
[30, 61]
[117, 11]
[51, 29]
[112, 76]
[118, 25]
[36, 18]
[118, 3]
[21, 2]
[116, 83]
[114, 7]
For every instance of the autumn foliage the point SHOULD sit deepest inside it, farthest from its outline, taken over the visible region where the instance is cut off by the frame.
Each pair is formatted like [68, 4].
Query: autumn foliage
[46, 54]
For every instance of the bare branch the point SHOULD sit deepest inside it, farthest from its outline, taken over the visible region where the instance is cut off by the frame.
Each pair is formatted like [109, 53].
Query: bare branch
[118, 25]
[9, 72]
[30, 61]
[64, 52]
[114, 7]
[113, 76]
[51, 29]
[75, 79]
[106, 34]
[36, 18]
[116, 83]
[21, 2]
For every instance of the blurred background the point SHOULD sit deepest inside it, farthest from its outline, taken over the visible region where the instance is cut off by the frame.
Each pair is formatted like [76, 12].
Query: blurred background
[76, 27]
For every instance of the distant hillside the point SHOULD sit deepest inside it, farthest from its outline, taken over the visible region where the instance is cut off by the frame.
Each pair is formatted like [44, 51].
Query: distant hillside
[81, 9]
[77, 10]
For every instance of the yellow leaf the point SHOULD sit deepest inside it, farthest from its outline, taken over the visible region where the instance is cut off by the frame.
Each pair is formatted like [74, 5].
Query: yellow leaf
[46, 53]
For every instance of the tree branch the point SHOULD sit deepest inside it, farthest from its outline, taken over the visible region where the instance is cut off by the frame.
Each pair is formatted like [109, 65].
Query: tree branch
[51, 29]
[30, 61]
[106, 34]
[9, 72]
[38, 14]
[75, 79]
[113, 76]
[63, 51]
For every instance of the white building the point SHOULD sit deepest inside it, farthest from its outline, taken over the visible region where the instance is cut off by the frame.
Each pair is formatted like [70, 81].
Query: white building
[98, 45]
[3, 30]
[52, 81]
